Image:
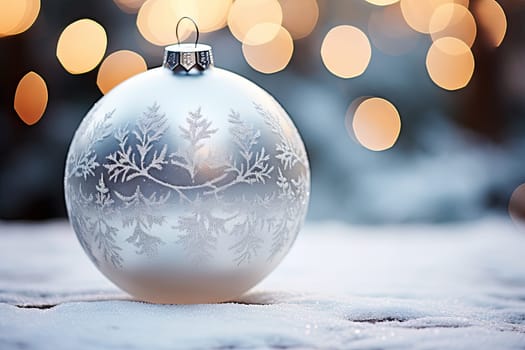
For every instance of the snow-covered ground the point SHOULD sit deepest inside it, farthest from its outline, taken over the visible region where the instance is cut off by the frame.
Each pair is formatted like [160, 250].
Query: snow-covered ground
[455, 286]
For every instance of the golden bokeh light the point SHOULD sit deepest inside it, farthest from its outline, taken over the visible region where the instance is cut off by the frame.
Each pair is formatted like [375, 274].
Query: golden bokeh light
[261, 33]
[349, 116]
[246, 14]
[376, 123]
[492, 19]
[517, 206]
[417, 13]
[157, 20]
[453, 20]
[17, 16]
[81, 46]
[129, 6]
[212, 14]
[389, 32]
[346, 51]
[299, 16]
[11, 14]
[382, 2]
[31, 98]
[118, 67]
[450, 63]
[272, 56]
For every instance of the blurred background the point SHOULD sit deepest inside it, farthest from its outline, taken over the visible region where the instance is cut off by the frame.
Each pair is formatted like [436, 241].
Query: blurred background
[411, 110]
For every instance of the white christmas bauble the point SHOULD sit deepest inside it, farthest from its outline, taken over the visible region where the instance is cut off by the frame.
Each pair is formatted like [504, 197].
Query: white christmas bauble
[187, 183]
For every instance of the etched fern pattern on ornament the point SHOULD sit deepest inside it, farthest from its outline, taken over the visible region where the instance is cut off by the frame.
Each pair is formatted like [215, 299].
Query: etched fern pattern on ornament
[254, 166]
[142, 159]
[80, 202]
[83, 163]
[256, 219]
[292, 192]
[94, 224]
[290, 151]
[200, 230]
[138, 159]
[142, 154]
[104, 234]
[140, 212]
[195, 133]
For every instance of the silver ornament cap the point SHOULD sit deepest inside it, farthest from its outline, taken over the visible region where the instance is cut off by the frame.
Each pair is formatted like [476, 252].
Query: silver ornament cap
[188, 56]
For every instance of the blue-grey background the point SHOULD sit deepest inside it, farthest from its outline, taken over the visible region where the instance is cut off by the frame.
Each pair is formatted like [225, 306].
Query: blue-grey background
[459, 155]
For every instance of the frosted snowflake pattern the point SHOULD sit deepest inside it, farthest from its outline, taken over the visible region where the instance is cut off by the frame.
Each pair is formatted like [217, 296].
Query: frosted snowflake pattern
[101, 212]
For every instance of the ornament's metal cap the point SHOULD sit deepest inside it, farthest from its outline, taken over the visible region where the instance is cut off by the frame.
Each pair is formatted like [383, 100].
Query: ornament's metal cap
[188, 57]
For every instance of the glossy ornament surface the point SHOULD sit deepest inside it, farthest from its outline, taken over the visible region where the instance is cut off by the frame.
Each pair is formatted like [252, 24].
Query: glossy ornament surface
[187, 184]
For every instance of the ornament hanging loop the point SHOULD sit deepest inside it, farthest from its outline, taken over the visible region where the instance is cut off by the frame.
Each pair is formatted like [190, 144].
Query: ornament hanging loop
[196, 29]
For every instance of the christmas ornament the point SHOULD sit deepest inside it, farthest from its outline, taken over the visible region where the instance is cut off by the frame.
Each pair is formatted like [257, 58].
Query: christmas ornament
[187, 183]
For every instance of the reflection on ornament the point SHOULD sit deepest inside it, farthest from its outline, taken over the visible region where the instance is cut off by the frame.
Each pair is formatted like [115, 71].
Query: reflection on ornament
[187, 183]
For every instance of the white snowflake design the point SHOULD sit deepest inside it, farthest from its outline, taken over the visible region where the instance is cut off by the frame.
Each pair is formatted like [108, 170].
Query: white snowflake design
[137, 169]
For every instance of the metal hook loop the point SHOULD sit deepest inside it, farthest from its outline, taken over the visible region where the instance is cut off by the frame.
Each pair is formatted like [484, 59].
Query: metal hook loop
[196, 29]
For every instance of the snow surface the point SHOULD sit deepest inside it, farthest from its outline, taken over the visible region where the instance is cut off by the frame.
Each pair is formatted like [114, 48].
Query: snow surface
[455, 286]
